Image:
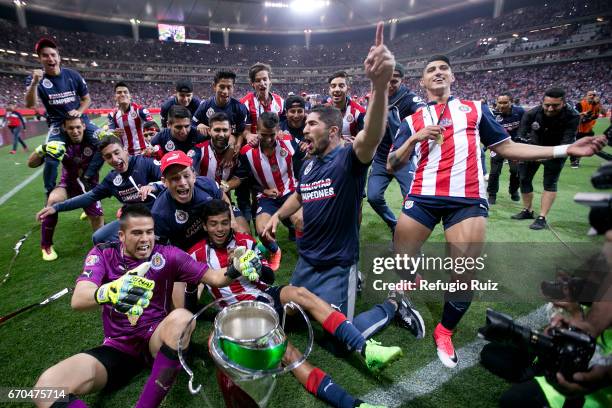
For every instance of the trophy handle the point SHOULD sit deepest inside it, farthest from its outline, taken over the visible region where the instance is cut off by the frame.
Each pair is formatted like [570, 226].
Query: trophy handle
[310, 343]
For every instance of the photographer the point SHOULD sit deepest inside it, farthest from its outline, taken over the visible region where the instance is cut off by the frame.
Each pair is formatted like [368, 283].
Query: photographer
[589, 109]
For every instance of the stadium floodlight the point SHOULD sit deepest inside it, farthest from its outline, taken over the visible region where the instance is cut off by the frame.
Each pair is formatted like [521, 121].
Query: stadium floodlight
[304, 6]
[275, 4]
[19, 3]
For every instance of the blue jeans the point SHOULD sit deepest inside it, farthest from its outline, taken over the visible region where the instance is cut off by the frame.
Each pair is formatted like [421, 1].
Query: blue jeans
[51, 165]
[16, 139]
[379, 180]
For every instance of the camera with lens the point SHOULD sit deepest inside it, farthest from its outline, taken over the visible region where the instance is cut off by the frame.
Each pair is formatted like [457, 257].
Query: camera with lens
[600, 216]
[566, 350]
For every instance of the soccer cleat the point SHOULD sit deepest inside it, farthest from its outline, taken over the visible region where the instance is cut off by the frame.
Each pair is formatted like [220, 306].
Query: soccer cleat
[83, 216]
[575, 165]
[539, 223]
[378, 357]
[275, 260]
[48, 253]
[525, 214]
[12, 152]
[406, 315]
[366, 405]
[492, 199]
[444, 346]
[514, 196]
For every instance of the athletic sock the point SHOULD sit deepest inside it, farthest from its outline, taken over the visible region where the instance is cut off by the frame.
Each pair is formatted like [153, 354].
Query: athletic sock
[47, 230]
[374, 320]
[50, 173]
[453, 312]
[271, 246]
[338, 325]
[165, 369]
[321, 385]
[191, 298]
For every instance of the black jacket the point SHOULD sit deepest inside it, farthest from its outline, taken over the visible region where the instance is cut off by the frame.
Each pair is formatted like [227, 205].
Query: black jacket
[538, 129]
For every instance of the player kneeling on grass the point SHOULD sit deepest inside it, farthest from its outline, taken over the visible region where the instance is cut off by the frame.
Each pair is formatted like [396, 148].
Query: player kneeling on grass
[75, 157]
[216, 251]
[133, 280]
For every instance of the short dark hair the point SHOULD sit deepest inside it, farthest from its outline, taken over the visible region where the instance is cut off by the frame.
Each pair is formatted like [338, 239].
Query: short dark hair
[329, 115]
[69, 118]
[150, 124]
[505, 93]
[178, 112]
[293, 100]
[438, 57]
[215, 207]
[121, 83]
[269, 120]
[109, 140]
[219, 75]
[218, 117]
[555, 92]
[133, 211]
[338, 74]
[400, 68]
[258, 67]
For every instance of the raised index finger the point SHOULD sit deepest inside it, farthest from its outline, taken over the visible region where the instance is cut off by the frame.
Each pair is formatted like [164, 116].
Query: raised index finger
[379, 33]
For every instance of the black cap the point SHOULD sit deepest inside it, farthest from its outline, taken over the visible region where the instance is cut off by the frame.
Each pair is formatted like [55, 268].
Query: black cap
[184, 85]
[400, 68]
[44, 43]
[295, 100]
[438, 57]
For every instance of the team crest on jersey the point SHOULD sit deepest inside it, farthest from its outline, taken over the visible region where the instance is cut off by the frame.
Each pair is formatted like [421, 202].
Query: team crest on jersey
[535, 126]
[181, 216]
[446, 122]
[308, 168]
[191, 153]
[157, 261]
[465, 108]
[91, 260]
[145, 111]
[417, 99]
[499, 118]
[349, 118]
[55, 131]
[87, 151]
[169, 146]
[210, 112]
[157, 162]
[259, 210]
[47, 84]
[283, 153]
[118, 180]
[133, 114]
[408, 204]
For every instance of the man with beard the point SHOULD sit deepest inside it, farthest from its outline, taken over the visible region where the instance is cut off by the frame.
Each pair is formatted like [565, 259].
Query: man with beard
[180, 135]
[134, 179]
[352, 112]
[75, 162]
[127, 121]
[182, 97]
[402, 102]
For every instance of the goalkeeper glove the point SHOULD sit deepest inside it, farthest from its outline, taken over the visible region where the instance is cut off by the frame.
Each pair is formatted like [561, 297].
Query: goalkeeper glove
[246, 263]
[52, 149]
[128, 294]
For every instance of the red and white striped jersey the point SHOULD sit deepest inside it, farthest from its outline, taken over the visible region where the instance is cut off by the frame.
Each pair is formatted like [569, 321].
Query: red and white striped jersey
[132, 123]
[352, 121]
[454, 168]
[256, 108]
[217, 258]
[210, 164]
[274, 171]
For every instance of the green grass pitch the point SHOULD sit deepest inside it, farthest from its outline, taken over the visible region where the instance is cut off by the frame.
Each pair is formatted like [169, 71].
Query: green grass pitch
[36, 340]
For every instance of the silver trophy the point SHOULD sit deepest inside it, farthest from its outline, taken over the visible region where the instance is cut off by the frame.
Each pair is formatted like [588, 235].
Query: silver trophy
[247, 345]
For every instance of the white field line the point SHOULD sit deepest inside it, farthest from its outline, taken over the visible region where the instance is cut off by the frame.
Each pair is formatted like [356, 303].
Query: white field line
[19, 186]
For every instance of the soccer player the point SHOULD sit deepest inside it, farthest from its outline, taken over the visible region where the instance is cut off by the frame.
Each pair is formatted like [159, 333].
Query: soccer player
[129, 279]
[127, 121]
[449, 185]
[270, 167]
[64, 94]
[213, 150]
[223, 101]
[261, 99]
[552, 123]
[294, 124]
[352, 112]
[509, 116]
[589, 110]
[75, 160]
[215, 250]
[134, 179]
[402, 102]
[180, 135]
[15, 122]
[329, 193]
[182, 97]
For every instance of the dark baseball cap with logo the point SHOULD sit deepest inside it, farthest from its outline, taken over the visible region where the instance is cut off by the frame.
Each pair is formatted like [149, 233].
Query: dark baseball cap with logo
[184, 85]
[44, 43]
